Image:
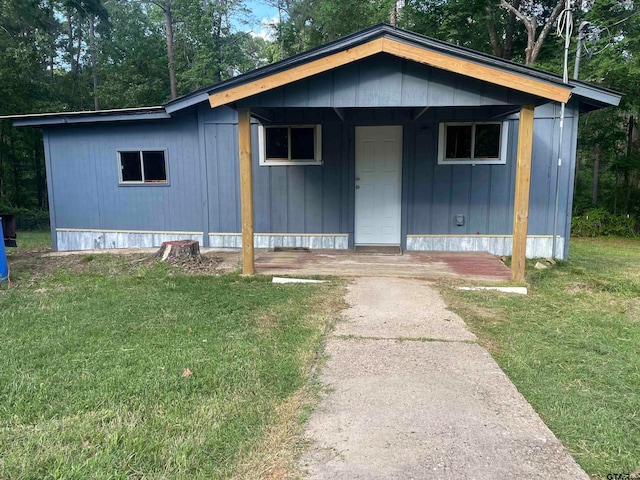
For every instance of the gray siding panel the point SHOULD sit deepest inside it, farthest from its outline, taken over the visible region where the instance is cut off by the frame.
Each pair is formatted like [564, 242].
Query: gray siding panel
[415, 84]
[287, 199]
[345, 86]
[312, 194]
[387, 81]
[460, 193]
[333, 176]
[542, 176]
[50, 190]
[295, 202]
[441, 200]
[311, 199]
[484, 193]
[84, 174]
[478, 221]
[279, 197]
[224, 186]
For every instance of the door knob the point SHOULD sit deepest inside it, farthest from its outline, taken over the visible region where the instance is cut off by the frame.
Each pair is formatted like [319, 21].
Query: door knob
[357, 187]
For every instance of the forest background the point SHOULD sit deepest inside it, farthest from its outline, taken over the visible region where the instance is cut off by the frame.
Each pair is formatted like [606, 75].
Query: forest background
[70, 55]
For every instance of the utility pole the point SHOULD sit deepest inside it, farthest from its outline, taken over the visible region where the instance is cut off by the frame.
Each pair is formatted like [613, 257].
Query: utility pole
[576, 67]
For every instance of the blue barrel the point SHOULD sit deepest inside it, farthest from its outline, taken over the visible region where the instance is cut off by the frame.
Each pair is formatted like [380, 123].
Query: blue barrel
[4, 266]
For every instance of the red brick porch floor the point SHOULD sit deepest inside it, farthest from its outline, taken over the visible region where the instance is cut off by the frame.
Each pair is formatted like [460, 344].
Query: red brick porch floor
[475, 266]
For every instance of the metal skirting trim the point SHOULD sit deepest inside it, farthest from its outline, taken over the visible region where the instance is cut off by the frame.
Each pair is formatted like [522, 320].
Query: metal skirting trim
[267, 240]
[102, 240]
[538, 246]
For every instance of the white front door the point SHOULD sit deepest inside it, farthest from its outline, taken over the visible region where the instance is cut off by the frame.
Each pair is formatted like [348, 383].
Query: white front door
[378, 185]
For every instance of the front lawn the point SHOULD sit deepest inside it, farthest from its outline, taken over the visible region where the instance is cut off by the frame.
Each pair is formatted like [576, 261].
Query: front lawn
[572, 347]
[113, 368]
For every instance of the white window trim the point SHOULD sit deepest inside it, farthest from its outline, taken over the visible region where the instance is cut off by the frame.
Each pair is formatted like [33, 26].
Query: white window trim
[442, 145]
[264, 161]
[140, 151]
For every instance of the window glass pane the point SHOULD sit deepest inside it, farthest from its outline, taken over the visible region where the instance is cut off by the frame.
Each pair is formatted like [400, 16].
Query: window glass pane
[302, 143]
[154, 166]
[130, 165]
[487, 141]
[458, 141]
[277, 143]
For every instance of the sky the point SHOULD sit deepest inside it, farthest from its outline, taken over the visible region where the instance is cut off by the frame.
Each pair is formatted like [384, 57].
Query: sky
[261, 14]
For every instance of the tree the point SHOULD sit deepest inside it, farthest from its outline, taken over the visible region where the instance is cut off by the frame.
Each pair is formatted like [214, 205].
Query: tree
[505, 28]
[609, 149]
[533, 14]
[309, 23]
[133, 57]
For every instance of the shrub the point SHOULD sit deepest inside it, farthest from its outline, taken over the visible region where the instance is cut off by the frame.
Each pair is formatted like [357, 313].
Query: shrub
[597, 222]
[28, 218]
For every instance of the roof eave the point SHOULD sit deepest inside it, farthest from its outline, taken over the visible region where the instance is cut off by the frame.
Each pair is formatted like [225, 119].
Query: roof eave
[64, 118]
[596, 95]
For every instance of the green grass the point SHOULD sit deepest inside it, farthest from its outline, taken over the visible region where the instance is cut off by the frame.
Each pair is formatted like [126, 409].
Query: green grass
[572, 347]
[94, 352]
[31, 240]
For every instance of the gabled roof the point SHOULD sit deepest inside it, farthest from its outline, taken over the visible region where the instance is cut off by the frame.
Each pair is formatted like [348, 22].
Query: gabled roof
[375, 40]
[384, 38]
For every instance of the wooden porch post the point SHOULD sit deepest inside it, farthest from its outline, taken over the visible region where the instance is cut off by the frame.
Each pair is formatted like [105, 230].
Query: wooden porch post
[521, 202]
[246, 190]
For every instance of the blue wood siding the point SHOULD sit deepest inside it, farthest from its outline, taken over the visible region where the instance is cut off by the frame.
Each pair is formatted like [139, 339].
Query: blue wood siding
[319, 199]
[484, 193]
[84, 177]
[300, 199]
[387, 81]
[202, 158]
[305, 199]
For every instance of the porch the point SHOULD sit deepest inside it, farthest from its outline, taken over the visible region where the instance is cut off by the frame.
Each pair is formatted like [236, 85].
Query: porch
[473, 266]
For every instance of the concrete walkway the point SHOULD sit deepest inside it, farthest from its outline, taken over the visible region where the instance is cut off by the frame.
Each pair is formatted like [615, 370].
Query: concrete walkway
[410, 395]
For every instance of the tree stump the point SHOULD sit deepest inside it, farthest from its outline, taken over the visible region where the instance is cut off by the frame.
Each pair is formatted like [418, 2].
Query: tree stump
[179, 251]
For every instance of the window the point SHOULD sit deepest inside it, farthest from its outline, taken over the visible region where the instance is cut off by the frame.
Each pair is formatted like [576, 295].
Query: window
[471, 143]
[291, 145]
[146, 166]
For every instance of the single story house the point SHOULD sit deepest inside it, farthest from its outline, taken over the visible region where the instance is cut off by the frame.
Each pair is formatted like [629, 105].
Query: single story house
[384, 137]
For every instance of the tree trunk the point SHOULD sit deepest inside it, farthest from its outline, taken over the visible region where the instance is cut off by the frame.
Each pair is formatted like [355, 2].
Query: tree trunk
[2, 144]
[616, 191]
[179, 251]
[217, 33]
[75, 64]
[170, 54]
[496, 46]
[576, 173]
[596, 174]
[94, 73]
[16, 173]
[534, 44]
[628, 174]
[507, 51]
[502, 45]
[70, 49]
[37, 166]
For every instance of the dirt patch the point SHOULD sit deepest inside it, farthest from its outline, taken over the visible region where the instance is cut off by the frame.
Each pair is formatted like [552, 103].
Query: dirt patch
[633, 310]
[208, 264]
[577, 288]
[29, 267]
[488, 315]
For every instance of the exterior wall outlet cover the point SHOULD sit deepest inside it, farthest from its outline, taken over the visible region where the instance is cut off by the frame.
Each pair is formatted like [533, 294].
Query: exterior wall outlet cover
[459, 220]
